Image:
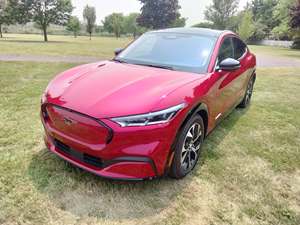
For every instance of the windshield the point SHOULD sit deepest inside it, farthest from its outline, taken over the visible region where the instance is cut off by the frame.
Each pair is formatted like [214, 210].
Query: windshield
[183, 52]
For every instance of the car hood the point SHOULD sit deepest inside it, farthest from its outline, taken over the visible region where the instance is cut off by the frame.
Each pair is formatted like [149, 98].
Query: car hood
[112, 89]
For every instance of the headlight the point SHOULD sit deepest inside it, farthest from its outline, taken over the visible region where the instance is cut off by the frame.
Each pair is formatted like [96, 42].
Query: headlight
[163, 116]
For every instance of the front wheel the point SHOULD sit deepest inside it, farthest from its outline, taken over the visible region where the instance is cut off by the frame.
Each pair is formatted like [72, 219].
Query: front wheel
[187, 148]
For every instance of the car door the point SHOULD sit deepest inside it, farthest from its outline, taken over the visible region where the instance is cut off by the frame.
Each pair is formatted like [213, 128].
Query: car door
[244, 73]
[226, 93]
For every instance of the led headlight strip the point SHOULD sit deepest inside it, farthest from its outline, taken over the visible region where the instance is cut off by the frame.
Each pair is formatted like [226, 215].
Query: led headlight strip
[152, 118]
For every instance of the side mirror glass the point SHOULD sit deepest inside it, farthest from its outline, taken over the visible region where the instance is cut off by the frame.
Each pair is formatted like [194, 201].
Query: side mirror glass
[229, 64]
[118, 51]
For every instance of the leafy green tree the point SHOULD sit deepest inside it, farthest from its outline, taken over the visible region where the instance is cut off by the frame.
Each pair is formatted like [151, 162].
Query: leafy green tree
[179, 22]
[46, 12]
[220, 12]
[262, 11]
[3, 15]
[281, 13]
[246, 28]
[74, 25]
[130, 25]
[158, 14]
[235, 21]
[99, 29]
[114, 23]
[259, 33]
[295, 16]
[20, 11]
[42, 12]
[89, 15]
[209, 25]
[295, 23]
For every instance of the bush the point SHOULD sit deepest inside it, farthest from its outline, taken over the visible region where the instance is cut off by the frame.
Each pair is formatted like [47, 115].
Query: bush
[296, 44]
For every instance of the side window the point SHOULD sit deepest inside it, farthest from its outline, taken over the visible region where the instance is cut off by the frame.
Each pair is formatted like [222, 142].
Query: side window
[226, 50]
[239, 48]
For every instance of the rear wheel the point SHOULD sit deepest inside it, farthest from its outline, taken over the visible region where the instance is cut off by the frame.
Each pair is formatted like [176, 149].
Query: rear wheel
[247, 98]
[188, 147]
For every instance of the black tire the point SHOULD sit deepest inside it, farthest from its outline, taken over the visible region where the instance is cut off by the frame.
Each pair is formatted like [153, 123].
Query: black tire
[183, 148]
[248, 95]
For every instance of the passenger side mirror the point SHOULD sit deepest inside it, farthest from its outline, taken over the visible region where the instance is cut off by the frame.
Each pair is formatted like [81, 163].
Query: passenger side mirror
[118, 51]
[229, 64]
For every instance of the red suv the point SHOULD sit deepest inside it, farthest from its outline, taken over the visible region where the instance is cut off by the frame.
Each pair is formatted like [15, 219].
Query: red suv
[145, 113]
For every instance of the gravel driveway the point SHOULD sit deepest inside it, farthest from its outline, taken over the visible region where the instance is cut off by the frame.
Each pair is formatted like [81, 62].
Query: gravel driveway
[262, 60]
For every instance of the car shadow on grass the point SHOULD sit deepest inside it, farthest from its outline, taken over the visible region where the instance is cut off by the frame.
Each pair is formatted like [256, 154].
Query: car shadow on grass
[82, 194]
[211, 150]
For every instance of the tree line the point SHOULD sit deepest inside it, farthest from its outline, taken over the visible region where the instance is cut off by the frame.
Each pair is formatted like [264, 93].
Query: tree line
[275, 19]
[260, 19]
[154, 15]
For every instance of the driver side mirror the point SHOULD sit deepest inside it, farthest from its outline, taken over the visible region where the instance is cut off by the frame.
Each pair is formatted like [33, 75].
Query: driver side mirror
[229, 64]
[118, 51]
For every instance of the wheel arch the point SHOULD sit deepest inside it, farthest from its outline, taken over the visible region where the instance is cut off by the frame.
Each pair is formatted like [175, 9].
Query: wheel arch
[201, 109]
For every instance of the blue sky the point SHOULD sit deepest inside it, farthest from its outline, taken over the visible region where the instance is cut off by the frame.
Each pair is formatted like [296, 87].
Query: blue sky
[191, 9]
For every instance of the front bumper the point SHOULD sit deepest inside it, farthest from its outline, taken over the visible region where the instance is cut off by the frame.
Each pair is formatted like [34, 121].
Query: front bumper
[133, 153]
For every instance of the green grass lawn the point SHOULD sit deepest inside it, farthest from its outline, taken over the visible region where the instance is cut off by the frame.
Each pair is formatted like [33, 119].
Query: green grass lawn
[30, 44]
[275, 51]
[249, 172]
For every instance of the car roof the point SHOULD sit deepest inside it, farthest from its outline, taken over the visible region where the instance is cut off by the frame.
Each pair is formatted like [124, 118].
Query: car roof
[194, 31]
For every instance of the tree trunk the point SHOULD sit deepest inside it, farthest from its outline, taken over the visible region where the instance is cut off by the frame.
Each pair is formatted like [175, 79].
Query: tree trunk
[1, 36]
[90, 36]
[75, 35]
[45, 33]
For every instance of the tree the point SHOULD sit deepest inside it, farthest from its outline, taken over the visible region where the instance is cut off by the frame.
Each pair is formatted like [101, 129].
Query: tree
[130, 25]
[45, 12]
[204, 25]
[6, 14]
[220, 12]
[179, 22]
[235, 21]
[246, 28]
[295, 16]
[281, 13]
[262, 11]
[114, 23]
[3, 15]
[158, 14]
[89, 15]
[42, 12]
[19, 11]
[74, 25]
[295, 23]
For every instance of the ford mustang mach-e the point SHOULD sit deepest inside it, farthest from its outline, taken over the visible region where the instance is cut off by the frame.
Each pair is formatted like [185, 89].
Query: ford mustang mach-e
[146, 113]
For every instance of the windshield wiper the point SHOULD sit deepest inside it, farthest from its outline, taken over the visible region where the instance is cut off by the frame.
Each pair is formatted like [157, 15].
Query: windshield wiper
[156, 66]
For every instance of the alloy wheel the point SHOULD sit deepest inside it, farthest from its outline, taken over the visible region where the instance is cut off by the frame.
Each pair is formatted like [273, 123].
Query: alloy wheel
[249, 91]
[191, 147]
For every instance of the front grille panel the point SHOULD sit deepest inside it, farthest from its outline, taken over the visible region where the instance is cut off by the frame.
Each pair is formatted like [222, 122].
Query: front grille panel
[76, 125]
[77, 155]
